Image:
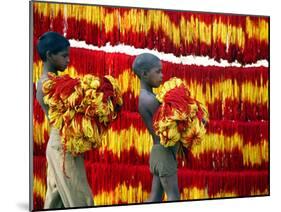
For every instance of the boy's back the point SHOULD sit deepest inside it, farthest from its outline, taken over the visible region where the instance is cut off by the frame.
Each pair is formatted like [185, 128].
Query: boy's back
[148, 104]
[39, 93]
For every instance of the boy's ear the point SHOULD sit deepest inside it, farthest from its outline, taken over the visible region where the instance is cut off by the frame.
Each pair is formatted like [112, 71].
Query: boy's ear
[144, 75]
[48, 55]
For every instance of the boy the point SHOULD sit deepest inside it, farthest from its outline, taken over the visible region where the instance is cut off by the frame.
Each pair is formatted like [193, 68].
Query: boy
[162, 161]
[69, 189]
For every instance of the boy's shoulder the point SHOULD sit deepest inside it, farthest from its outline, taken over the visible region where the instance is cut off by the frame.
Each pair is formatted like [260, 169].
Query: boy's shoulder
[39, 91]
[147, 97]
[147, 100]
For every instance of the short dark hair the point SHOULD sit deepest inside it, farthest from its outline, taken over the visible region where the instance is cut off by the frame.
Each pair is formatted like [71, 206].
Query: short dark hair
[53, 42]
[144, 62]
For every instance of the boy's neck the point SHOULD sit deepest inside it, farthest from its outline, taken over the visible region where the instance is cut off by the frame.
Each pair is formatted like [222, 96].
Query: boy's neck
[47, 67]
[146, 87]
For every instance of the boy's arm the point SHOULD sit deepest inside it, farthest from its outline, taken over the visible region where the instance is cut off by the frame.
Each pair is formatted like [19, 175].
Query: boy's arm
[147, 108]
[39, 97]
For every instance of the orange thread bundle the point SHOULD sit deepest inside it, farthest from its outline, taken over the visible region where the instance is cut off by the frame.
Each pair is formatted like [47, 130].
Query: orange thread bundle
[179, 118]
[82, 109]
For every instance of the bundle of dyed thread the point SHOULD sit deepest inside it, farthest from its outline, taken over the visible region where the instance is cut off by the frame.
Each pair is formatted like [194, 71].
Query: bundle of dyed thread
[179, 118]
[82, 109]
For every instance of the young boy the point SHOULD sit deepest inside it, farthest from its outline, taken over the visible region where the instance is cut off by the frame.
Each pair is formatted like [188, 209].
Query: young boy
[69, 189]
[162, 161]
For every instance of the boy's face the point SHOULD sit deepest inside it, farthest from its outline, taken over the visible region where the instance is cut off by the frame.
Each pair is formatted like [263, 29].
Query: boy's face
[154, 76]
[60, 60]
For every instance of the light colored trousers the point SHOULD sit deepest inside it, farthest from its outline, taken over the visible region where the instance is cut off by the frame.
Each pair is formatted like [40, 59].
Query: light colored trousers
[67, 191]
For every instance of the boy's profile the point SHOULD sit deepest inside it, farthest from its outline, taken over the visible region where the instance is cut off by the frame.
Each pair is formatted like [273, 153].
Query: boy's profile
[162, 161]
[69, 189]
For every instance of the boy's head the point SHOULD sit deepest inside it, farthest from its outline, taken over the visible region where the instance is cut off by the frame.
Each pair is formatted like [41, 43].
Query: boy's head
[148, 68]
[54, 48]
